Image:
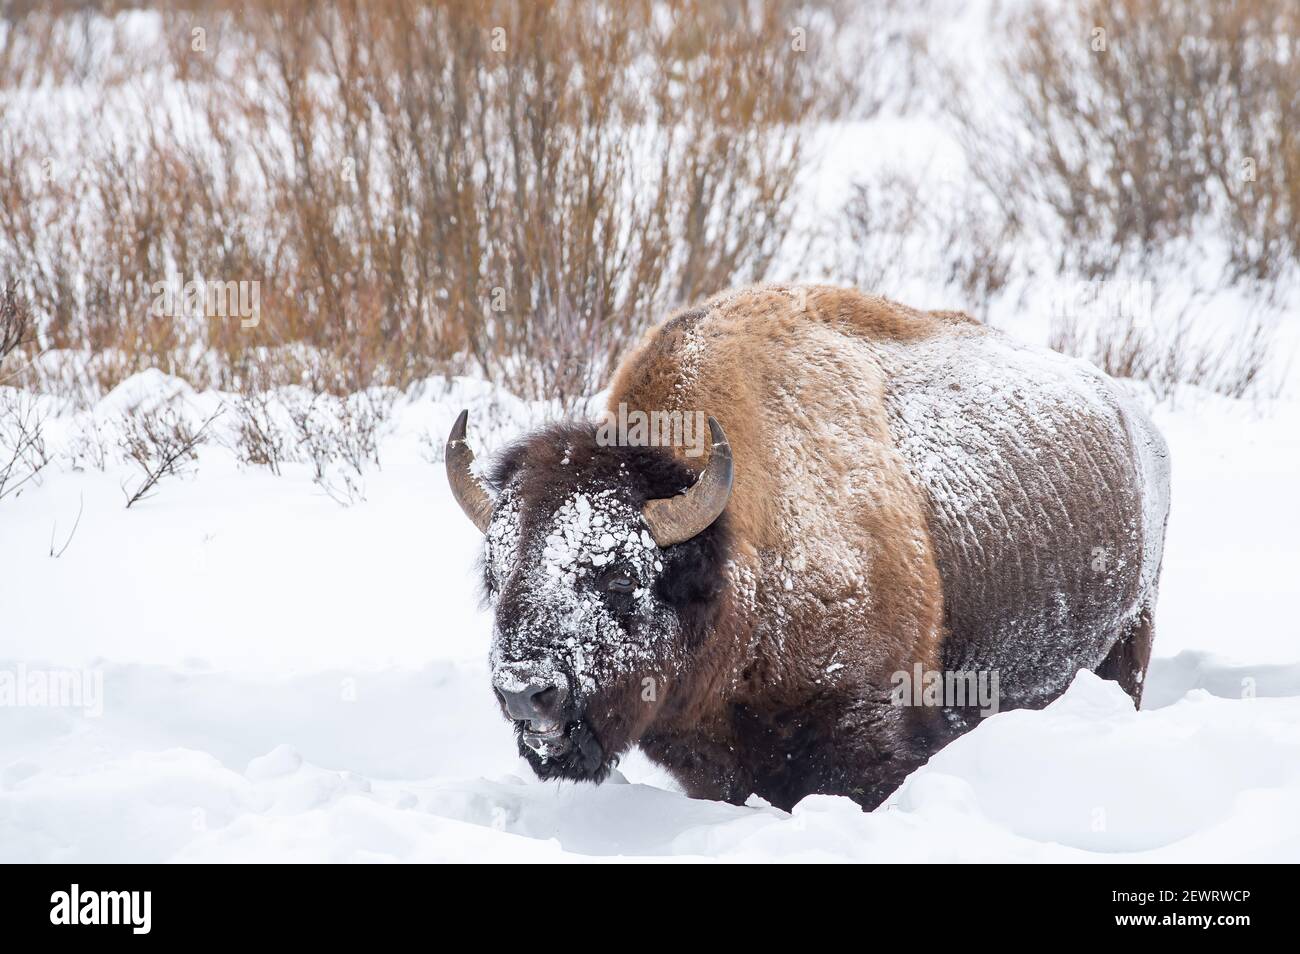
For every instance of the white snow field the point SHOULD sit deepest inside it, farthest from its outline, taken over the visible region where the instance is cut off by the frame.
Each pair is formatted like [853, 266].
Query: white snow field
[256, 673]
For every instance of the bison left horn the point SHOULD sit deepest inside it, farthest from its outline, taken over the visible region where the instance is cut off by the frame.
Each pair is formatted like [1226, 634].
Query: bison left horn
[468, 490]
[674, 519]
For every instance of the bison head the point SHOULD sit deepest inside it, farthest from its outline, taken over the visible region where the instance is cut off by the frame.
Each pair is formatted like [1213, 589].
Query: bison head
[604, 565]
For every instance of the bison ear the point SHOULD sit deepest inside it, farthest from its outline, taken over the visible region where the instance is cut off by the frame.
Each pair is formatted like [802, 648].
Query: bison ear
[468, 490]
[676, 519]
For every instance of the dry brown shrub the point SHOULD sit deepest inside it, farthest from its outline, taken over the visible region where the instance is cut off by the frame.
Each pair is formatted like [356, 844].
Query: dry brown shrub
[23, 451]
[897, 229]
[1134, 123]
[1177, 353]
[510, 188]
[161, 442]
[16, 326]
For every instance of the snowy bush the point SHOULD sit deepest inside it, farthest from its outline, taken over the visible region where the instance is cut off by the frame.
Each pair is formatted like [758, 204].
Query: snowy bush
[161, 442]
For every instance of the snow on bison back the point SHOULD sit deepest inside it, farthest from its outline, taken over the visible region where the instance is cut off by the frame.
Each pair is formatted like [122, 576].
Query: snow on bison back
[900, 522]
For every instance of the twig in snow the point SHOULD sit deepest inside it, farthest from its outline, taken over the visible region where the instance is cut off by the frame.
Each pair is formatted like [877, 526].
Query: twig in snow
[76, 523]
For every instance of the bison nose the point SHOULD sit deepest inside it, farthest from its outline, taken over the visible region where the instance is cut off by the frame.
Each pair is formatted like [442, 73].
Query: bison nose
[538, 702]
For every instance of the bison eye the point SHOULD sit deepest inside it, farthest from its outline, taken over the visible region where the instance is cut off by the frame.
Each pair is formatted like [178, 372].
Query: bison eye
[620, 583]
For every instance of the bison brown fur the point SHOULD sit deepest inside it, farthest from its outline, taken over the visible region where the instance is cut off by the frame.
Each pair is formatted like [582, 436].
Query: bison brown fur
[903, 491]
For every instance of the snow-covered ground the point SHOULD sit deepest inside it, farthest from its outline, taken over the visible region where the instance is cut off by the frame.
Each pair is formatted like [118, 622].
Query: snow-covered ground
[263, 674]
[273, 676]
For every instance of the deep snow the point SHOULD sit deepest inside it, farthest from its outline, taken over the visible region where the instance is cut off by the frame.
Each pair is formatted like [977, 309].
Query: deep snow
[288, 679]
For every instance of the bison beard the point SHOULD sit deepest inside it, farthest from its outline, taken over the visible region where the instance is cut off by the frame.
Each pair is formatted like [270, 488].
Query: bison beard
[583, 762]
[912, 492]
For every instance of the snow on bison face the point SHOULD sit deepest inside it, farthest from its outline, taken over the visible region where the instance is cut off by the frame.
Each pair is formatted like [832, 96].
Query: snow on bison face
[603, 583]
[582, 627]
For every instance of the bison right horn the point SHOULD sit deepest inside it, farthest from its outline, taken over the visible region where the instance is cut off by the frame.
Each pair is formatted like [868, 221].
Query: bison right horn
[468, 490]
[674, 519]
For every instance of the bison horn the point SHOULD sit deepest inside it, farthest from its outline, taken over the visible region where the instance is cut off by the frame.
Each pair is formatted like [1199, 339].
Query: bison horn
[468, 490]
[674, 519]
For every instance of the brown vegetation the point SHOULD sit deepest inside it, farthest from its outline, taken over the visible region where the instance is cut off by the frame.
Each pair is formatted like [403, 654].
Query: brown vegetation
[515, 190]
[509, 189]
[1134, 122]
[162, 442]
[1125, 141]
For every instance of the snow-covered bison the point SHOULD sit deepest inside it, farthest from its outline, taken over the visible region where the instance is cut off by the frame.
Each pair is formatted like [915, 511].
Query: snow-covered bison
[889, 494]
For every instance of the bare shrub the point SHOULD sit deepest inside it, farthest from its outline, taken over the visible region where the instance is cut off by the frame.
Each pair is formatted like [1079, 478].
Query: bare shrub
[1129, 123]
[312, 432]
[512, 188]
[1118, 346]
[879, 219]
[162, 443]
[361, 419]
[89, 446]
[23, 452]
[1165, 357]
[1240, 364]
[16, 326]
[433, 447]
[899, 229]
[339, 437]
[259, 437]
[343, 487]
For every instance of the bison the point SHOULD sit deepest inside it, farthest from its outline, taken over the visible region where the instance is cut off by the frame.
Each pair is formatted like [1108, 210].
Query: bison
[888, 491]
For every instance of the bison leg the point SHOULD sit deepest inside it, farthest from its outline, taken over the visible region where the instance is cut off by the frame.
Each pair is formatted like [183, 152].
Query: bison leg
[705, 765]
[1127, 661]
[878, 746]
